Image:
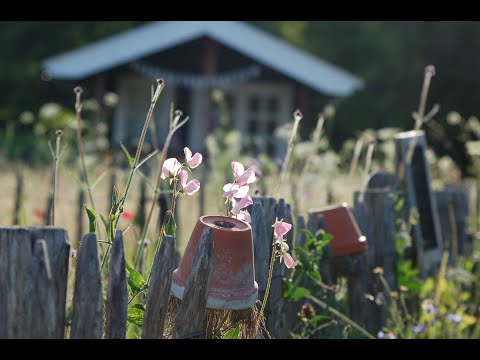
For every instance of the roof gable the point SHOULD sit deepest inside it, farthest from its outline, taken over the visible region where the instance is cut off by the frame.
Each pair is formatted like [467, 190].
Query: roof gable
[152, 38]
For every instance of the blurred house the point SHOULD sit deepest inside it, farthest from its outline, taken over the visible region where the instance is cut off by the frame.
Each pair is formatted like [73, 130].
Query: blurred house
[262, 79]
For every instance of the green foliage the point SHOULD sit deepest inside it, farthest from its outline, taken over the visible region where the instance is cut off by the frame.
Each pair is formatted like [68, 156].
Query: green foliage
[233, 334]
[92, 219]
[135, 280]
[306, 283]
[444, 307]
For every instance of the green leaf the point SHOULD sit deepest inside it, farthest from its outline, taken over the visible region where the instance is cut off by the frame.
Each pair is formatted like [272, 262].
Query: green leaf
[129, 157]
[170, 227]
[114, 200]
[314, 274]
[296, 293]
[233, 334]
[136, 281]
[308, 233]
[315, 320]
[135, 314]
[92, 219]
[398, 205]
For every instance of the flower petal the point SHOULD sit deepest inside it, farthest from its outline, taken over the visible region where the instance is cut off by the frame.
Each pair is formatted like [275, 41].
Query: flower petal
[183, 178]
[195, 161]
[281, 228]
[244, 202]
[242, 191]
[247, 177]
[245, 216]
[238, 169]
[188, 153]
[239, 205]
[288, 261]
[170, 168]
[192, 187]
[230, 190]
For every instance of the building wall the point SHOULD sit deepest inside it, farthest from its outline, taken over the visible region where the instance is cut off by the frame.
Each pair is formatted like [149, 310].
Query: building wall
[134, 101]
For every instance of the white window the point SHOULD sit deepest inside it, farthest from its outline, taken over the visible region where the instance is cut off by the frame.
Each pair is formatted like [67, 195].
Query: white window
[258, 109]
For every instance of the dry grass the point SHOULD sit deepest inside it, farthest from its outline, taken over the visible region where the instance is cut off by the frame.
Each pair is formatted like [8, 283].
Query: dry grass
[37, 187]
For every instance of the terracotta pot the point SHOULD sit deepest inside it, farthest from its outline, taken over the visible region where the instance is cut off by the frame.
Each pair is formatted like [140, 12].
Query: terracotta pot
[233, 284]
[339, 221]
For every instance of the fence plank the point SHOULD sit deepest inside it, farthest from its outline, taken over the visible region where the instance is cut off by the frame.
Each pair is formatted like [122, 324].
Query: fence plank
[269, 205]
[117, 293]
[159, 290]
[376, 219]
[192, 311]
[414, 179]
[261, 246]
[40, 291]
[300, 237]
[80, 214]
[26, 293]
[453, 207]
[87, 319]
[18, 197]
[15, 257]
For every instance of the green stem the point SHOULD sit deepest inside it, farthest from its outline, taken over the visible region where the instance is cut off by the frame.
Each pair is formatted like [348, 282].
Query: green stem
[174, 127]
[143, 234]
[269, 283]
[160, 85]
[298, 116]
[341, 316]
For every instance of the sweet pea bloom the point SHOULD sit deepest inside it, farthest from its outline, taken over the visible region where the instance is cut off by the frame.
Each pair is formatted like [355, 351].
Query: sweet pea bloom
[281, 228]
[242, 176]
[234, 190]
[239, 205]
[170, 168]
[288, 261]
[193, 185]
[192, 161]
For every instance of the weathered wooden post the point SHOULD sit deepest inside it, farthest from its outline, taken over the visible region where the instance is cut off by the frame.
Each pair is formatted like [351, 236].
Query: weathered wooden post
[18, 197]
[33, 282]
[191, 314]
[453, 212]
[87, 322]
[80, 214]
[117, 293]
[375, 217]
[414, 179]
[159, 290]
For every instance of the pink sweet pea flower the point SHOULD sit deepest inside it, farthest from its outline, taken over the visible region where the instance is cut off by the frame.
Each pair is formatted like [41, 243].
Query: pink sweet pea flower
[192, 161]
[170, 168]
[281, 228]
[234, 190]
[245, 216]
[242, 176]
[193, 185]
[239, 205]
[288, 261]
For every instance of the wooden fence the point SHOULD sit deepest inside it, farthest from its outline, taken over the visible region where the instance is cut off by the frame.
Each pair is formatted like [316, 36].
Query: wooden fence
[34, 264]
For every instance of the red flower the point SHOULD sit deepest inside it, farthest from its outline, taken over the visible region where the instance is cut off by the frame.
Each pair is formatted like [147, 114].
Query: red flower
[128, 215]
[38, 213]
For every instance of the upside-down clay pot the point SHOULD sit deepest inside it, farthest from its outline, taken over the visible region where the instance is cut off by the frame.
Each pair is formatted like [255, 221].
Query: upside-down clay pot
[347, 237]
[233, 285]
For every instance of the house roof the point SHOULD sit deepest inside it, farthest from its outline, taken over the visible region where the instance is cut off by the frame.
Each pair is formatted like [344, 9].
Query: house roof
[154, 37]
